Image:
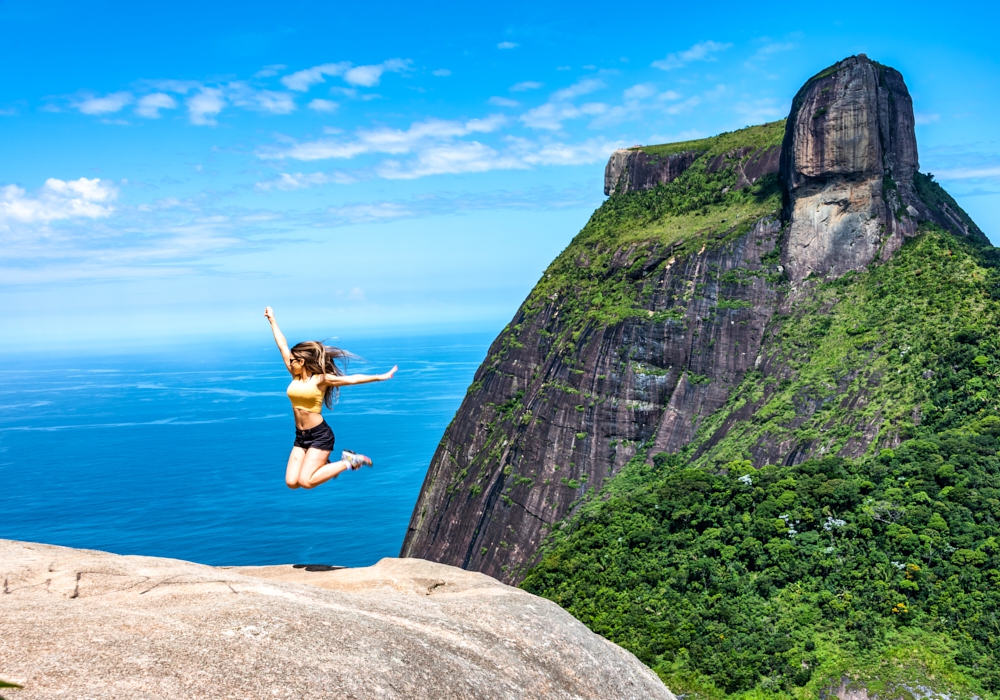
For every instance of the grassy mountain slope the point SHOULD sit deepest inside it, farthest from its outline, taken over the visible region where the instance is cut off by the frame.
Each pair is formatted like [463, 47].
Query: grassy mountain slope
[884, 567]
[699, 209]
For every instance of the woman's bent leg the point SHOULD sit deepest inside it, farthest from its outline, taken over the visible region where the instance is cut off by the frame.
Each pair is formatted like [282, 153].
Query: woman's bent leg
[294, 467]
[316, 470]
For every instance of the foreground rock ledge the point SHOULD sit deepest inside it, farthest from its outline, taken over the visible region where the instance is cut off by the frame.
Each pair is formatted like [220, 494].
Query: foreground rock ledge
[83, 624]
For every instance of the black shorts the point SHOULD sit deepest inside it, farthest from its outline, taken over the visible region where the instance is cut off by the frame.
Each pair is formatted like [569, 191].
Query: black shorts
[320, 437]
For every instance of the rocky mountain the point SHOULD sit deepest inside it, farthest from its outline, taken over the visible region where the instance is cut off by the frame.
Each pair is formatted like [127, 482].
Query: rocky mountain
[733, 391]
[642, 328]
[85, 625]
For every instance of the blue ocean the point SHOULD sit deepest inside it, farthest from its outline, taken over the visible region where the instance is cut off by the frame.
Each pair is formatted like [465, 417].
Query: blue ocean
[181, 453]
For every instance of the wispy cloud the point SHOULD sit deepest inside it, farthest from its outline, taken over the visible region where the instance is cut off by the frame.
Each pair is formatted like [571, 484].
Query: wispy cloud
[109, 104]
[385, 140]
[702, 51]
[270, 71]
[925, 118]
[769, 49]
[969, 173]
[205, 105]
[507, 45]
[149, 106]
[503, 102]
[551, 115]
[441, 72]
[241, 94]
[363, 76]
[324, 105]
[298, 181]
[526, 85]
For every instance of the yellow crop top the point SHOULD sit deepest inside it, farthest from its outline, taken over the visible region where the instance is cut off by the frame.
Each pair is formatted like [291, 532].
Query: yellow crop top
[306, 394]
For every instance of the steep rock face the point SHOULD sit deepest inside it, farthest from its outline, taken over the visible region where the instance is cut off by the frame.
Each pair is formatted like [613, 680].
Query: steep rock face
[539, 426]
[751, 163]
[637, 335]
[631, 170]
[849, 158]
[85, 624]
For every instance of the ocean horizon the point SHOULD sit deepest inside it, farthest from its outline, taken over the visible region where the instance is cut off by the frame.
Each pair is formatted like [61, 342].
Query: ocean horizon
[181, 452]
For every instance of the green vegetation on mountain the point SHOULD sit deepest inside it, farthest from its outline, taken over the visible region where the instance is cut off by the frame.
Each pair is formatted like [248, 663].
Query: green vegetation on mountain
[733, 581]
[698, 209]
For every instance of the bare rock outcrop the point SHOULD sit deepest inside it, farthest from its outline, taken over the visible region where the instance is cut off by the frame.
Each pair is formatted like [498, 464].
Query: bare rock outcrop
[631, 170]
[848, 162]
[84, 625]
[502, 477]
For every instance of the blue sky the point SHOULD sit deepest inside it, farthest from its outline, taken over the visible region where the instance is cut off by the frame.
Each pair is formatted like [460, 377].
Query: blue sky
[167, 171]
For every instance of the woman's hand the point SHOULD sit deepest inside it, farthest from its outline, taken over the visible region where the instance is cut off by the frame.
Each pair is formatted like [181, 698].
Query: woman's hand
[388, 375]
[268, 313]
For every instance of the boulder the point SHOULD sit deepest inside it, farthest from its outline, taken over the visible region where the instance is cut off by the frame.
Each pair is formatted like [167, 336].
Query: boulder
[84, 624]
[848, 162]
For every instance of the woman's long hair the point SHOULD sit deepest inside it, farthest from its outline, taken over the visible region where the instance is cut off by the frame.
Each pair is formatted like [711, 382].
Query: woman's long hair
[322, 359]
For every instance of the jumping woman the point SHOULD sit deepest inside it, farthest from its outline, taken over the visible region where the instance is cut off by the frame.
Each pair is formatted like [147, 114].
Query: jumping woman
[316, 379]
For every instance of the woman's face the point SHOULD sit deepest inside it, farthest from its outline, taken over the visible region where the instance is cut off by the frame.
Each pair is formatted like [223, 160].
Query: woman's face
[296, 363]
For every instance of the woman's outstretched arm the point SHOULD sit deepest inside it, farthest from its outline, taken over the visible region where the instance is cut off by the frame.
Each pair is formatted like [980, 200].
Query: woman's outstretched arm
[279, 337]
[349, 379]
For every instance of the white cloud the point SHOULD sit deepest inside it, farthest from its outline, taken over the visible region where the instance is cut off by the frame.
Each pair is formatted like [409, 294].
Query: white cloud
[365, 76]
[385, 140]
[551, 115]
[298, 181]
[441, 72]
[241, 94]
[685, 106]
[581, 87]
[507, 45]
[558, 109]
[669, 95]
[590, 151]
[356, 294]
[449, 159]
[761, 110]
[108, 104]
[205, 105]
[369, 213]
[699, 52]
[150, 105]
[639, 92]
[271, 70]
[304, 79]
[924, 118]
[526, 85]
[368, 76]
[768, 50]
[503, 102]
[970, 173]
[181, 87]
[57, 200]
[324, 105]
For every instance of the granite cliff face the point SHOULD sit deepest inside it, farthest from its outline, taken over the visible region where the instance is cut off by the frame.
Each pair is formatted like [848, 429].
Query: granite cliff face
[680, 286]
[82, 624]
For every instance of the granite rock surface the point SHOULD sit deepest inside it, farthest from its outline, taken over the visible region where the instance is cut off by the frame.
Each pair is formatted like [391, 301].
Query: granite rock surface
[85, 625]
[631, 170]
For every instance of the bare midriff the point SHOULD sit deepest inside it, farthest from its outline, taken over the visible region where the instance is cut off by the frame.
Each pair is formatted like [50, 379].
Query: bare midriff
[306, 420]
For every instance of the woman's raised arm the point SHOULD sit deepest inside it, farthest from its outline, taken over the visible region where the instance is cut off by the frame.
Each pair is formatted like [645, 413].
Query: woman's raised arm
[349, 379]
[279, 337]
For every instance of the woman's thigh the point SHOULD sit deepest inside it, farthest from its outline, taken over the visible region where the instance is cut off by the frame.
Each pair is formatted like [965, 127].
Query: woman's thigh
[313, 460]
[294, 468]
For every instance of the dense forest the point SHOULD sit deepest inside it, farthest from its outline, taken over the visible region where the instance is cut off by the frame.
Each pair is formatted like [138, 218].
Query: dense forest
[728, 579]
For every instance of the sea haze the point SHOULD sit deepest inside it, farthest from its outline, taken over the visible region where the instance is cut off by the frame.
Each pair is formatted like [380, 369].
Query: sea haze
[182, 453]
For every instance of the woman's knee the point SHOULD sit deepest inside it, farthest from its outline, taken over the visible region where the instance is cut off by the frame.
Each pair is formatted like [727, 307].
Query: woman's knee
[303, 485]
